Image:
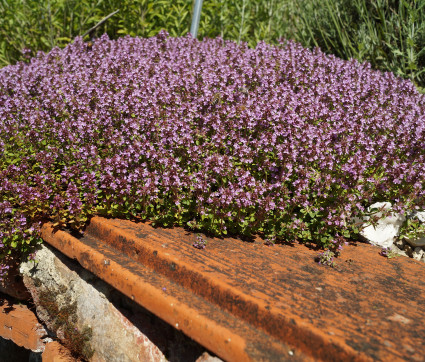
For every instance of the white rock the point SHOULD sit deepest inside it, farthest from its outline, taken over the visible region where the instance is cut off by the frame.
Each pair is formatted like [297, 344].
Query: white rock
[387, 228]
[420, 215]
[418, 253]
[205, 357]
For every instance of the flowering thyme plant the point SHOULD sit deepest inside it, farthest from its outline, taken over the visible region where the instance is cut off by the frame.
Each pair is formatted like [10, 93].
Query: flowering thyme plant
[276, 140]
[200, 242]
[326, 258]
[388, 253]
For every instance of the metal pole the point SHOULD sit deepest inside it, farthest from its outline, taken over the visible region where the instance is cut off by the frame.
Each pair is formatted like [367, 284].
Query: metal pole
[195, 18]
[99, 23]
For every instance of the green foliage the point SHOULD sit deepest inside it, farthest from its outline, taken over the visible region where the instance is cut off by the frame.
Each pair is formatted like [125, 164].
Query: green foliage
[412, 228]
[390, 34]
[388, 253]
[42, 25]
[327, 258]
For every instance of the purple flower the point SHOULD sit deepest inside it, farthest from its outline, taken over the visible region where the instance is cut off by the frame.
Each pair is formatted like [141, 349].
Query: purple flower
[273, 140]
[200, 243]
[326, 258]
[385, 251]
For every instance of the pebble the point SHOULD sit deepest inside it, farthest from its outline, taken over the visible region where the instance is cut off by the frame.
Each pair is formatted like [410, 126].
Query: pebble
[408, 250]
[418, 253]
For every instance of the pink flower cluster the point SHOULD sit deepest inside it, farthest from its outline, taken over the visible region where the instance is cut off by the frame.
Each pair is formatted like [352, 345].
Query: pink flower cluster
[277, 140]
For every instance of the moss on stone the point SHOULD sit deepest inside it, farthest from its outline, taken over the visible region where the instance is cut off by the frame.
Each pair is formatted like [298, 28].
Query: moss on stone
[64, 319]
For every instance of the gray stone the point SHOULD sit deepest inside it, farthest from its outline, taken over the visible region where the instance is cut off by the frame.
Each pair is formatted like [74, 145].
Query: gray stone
[418, 253]
[416, 242]
[387, 228]
[75, 310]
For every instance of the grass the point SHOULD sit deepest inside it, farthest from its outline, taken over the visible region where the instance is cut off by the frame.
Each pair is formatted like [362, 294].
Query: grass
[387, 33]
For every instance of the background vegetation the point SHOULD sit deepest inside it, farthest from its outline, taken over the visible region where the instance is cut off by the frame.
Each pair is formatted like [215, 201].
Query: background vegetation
[390, 34]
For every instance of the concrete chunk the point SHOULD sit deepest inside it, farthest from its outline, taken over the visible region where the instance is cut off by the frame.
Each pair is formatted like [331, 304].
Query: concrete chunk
[81, 315]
